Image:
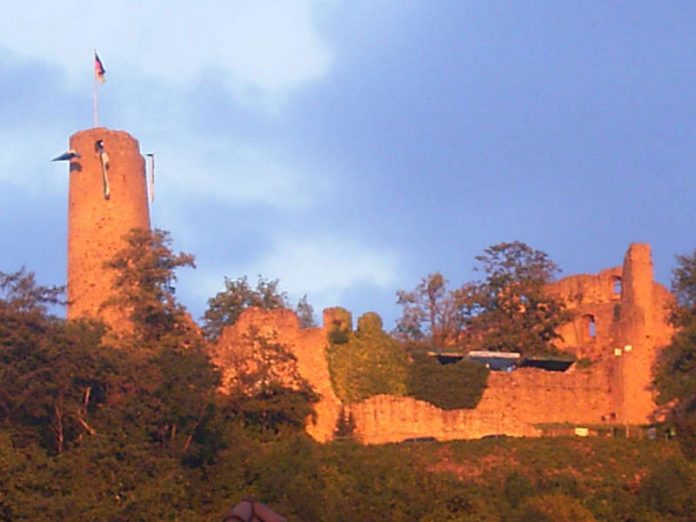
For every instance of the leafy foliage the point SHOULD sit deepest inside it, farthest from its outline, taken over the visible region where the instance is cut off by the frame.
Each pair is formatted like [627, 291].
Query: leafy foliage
[368, 363]
[144, 285]
[268, 394]
[449, 386]
[554, 507]
[305, 313]
[19, 293]
[166, 447]
[225, 307]
[510, 310]
[95, 433]
[431, 313]
[507, 311]
[345, 425]
[676, 375]
[670, 489]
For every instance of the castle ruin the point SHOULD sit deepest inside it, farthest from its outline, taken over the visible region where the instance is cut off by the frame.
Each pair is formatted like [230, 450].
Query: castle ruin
[620, 323]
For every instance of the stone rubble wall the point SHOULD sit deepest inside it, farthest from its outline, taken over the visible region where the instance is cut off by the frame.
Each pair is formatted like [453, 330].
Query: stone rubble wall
[615, 387]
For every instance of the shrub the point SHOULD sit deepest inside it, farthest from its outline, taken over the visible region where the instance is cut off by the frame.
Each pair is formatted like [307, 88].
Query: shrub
[670, 489]
[553, 507]
[450, 386]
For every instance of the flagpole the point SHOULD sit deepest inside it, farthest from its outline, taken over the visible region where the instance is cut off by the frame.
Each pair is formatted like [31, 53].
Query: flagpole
[96, 96]
[96, 105]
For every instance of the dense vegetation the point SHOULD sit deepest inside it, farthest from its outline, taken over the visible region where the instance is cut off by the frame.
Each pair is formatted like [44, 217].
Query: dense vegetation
[450, 386]
[676, 376]
[370, 362]
[97, 426]
[226, 306]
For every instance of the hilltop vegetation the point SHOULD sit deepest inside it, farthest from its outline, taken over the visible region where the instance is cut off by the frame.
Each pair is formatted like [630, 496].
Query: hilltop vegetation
[94, 427]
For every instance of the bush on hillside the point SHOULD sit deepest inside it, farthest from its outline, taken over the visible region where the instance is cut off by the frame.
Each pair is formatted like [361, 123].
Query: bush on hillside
[450, 386]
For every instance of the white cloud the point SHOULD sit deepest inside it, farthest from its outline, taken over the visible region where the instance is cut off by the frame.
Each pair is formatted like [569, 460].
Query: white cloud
[235, 174]
[261, 48]
[326, 267]
[322, 267]
[26, 163]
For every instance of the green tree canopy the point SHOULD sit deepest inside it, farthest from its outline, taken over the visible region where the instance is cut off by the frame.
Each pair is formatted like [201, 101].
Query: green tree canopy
[508, 310]
[226, 306]
[144, 285]
[431, 313]
[449, 386]
[305, 312]
[676, 375]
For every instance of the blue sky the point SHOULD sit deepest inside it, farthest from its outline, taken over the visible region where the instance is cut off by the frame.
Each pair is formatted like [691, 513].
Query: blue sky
[348, 148]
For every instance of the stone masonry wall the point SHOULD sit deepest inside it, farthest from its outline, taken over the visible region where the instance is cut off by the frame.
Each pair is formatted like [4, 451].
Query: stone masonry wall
[629, 312]
[307, 345]
[96, 226]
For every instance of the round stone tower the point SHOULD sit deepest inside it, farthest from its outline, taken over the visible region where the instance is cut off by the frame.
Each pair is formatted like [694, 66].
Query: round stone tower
[108, 198]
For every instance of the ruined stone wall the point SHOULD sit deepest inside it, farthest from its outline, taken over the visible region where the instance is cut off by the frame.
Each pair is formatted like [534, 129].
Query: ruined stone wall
[308, 345]
[594, 302]
[96, 225]
[384, 418]
[513, 404]
[629, 311]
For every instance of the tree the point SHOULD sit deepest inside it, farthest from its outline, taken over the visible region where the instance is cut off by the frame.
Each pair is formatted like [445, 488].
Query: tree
[449, 386]
[676, 374]
[51, 377]
[144, 285]
[178, 382]
[430, 312]
[226, 306]
[305, 313]
[553, 507]
[509, 310]
[20, 293]
[266, 389]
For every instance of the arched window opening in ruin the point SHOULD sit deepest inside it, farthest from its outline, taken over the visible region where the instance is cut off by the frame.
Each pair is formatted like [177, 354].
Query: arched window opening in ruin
[616, 286]
[589, 328]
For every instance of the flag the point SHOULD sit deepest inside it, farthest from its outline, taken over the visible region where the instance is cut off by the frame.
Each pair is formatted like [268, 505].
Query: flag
[99, 70]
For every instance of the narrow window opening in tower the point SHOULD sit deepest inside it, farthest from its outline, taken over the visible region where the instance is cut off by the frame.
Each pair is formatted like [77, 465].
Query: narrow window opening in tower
[616, 286]
[589, 328]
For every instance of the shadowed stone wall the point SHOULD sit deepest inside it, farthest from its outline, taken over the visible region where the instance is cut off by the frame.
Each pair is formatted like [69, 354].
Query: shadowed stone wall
[308, 345]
